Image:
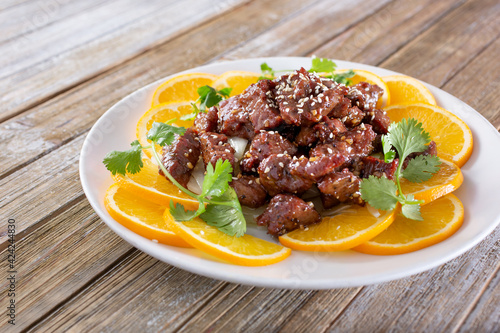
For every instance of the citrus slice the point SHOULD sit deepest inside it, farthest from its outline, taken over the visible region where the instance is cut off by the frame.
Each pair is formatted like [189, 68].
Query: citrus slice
[150, 185]
[350, 228]
[442, 218]
[366, 76]
[446, 180]
[182, 87]
[453, 137]
[238, 80]
[245, 250]
[141, 216]
[162, 113]
[405, 89]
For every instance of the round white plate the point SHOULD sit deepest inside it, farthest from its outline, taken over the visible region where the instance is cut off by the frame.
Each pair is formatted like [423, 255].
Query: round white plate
[479, 193]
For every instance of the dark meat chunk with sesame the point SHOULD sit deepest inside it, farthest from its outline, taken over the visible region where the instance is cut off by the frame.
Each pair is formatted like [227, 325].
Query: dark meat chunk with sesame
[369, 165]
[214, 147]
[325, 131]
[342, 186]
[342, 108]
[431, 150]
[181, 156]
[275, 176]
[379, 120]
[359, 141]
[263, 145]
[365, 95]
[303, 99]
[249, 190]
[287, 212]
[234, 119]
[261, 106]
[354, 117]
[315, 167]
[206, 121]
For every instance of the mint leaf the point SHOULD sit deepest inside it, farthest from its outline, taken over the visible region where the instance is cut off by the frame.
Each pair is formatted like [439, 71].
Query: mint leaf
[123, 161]
[408, 137]
[322, 65]
[164, 134]
[379, 193]
[386, 148]
[216, 181]
[421, 168]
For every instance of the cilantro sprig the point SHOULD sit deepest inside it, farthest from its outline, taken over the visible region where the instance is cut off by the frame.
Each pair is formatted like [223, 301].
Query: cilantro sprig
[319, 65]
[208, 97]
[406, 137]
[218, 202]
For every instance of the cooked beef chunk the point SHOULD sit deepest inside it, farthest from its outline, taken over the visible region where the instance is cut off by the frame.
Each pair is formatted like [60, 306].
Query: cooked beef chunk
[359, 140]
[365, 95]
[341, 109]
[274, 172]
[325, 131]
[303, 99]
[315, 167]
[354, 117]
[287, 212]
[263, 145]
[431, 150]
[369, 165]
[249, 190]
[206, 121]
[342, 185]
[234, 119]
[214, 147]
[328, 201]
[259, 101]
[379, 120]
[181, 156]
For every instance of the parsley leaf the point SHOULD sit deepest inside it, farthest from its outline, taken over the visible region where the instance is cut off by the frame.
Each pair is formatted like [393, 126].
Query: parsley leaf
[408, 137]
[208, 97]
[386, 148]
[216, 181]
[421, 168]
[322, 65]
[411, 209]
[164, 134]
[228, 218]
[267, 72]
[379, 192]
[343, 77]
[123, 161]
[180, 213]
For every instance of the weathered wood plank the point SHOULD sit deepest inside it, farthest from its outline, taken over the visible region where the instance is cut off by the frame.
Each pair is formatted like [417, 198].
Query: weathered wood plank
[51, 124]
[308, 30]
[48, 271]
[68, 52]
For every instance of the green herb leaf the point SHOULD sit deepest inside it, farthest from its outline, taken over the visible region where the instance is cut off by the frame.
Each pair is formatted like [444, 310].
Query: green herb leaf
[179, 213]
[267, 72]
[389, 154]
[343, 77]
[421, 168]
[164, 134]
[216, 181]
[380, 193]
[322, 65]
[408, 137]
[411, 209]
[227, 218]
[225, 92]
[122, 161]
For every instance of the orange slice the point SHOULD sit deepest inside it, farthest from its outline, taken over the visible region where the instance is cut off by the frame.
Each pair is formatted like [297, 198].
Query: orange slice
[366, 76]
[446, 180]
[182, 87]
[350, 228]
[405, 89]
[150, 185]
[245, 250]
[141, 216]
[442, 218]
[238, 80]
[453, 137]
[162, 113]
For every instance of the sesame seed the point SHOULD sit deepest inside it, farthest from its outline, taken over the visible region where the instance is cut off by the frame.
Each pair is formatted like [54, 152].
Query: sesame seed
[190, 165]
[250, 182]
[267, 170]
[281, 164]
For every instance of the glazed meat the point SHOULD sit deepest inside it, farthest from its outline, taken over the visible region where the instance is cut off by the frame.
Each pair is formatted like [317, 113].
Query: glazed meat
[341, 109]
[234, 119]
[354, 117]
[365, 95]
[206, 121]
[369, 165]
[325, 131]
[287, 212]
[343, 186]
[263, 145]
[250, 191]
[258, 100]
[275, 176]
[215, 147]
[181, 156]
[379, 120]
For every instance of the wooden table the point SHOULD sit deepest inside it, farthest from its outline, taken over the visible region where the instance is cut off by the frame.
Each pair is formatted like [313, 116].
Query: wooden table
[63, 64]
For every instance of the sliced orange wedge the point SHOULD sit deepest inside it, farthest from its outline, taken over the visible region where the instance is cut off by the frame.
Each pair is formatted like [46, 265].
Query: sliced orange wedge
[238, 80]
[141, 216]
[182, 87]
[453, 137]
[405, 89]
[366, 76]
[245, 250]
[150, 185]
[442, 218]
[350, 228]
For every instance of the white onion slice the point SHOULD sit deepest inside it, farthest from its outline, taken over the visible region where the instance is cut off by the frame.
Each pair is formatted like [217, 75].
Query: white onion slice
[196, 181]
[239, 145]
[374, 211]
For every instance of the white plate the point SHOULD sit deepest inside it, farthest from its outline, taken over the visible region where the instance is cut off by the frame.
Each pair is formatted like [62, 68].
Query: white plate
[479, 193]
